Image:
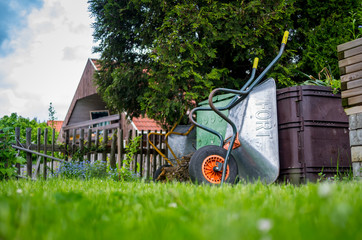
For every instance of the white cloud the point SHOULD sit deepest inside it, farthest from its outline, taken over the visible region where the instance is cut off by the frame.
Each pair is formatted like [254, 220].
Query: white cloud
[49, 58]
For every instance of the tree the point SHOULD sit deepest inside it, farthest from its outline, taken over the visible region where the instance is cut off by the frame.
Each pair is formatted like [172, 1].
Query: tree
[8, 155]
[160, 57]
[14, 120]
[51, 113]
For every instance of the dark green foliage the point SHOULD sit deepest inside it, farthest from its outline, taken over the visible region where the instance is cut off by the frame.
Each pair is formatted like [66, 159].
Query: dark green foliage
[319, 27]
[14, 121]
[160, 57]
[8, 157]
[9, 123]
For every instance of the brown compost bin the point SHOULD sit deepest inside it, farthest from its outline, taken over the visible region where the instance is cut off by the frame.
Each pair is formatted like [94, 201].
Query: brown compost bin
[313, 134]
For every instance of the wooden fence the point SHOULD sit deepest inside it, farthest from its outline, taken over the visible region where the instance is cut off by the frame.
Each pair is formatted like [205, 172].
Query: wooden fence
[105, 145]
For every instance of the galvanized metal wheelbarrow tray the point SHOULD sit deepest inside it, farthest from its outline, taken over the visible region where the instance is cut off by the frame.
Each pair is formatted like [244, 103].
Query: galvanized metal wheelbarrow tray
[252, 131]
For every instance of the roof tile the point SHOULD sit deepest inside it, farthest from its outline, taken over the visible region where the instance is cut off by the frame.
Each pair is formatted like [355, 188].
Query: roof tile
[146, 124]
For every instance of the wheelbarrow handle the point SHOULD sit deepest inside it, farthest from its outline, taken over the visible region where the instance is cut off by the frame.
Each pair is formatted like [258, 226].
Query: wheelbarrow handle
[255, 64]
[285, 37]
[245, 90]
[231, 104]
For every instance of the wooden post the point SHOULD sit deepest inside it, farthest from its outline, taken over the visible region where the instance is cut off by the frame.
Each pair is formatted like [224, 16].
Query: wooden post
[89, 144]
[97, 145]
[160, 144]
[141, 154]
[148, 160]
[45, 152]
[128, 141]
[53, 149]
[29, 162]
[17, 142]
[66, 151]
[74, 143]
[135, 158]
[81, 144]
[112, 159]
[38, 143]
[154, 154]
[119, 142]
[121, 147]
[105, 141]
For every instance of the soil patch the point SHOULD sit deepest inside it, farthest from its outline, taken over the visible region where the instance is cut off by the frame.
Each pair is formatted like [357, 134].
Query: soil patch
[179, 172]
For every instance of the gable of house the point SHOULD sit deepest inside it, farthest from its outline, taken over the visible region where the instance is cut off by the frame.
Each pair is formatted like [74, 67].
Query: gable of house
[86, 100]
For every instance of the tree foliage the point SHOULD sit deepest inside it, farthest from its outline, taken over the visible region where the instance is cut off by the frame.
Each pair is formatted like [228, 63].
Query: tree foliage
[14, 120]
[8, 155]
[160, 57]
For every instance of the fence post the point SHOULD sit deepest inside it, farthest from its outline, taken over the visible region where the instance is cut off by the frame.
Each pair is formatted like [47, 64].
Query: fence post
[121, 147]
[38, 143]
[89, 144]
[105, 141]
[17, 142]
[74, 142]
[66, 151]
[53, 149]
[148, 160]
[97, 145]
[141, 154]
[81, 144]
[135, 156]
[45, 152]
[154, 154]
[159, 157]
[29, 163]
[112, 159]
[128, 141]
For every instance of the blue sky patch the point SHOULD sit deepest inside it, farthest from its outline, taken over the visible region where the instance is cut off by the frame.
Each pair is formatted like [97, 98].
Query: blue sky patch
[13, 16]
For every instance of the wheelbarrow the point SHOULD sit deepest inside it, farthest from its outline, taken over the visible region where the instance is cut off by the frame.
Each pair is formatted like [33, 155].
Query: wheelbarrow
[250, 151]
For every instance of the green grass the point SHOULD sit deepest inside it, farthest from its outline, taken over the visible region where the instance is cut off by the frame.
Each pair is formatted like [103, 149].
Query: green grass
[104, 209]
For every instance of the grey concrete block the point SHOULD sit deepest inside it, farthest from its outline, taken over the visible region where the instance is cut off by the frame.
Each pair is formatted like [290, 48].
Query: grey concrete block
[355, 137]
[357, 170]
[355, 121]
[356, 153]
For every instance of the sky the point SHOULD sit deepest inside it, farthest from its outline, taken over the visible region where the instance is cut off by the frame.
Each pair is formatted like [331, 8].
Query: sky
[44, 47]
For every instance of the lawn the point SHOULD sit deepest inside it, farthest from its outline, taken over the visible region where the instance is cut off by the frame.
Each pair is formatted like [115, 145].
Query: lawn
[105, 209]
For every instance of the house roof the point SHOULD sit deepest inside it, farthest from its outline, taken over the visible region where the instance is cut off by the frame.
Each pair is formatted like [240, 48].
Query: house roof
[56, 124]
[87, 89]
[96, 65]
[144, 124]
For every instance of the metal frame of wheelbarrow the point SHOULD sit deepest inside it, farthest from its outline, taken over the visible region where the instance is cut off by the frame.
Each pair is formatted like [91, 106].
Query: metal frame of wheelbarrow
[166, 135]
[240, 95]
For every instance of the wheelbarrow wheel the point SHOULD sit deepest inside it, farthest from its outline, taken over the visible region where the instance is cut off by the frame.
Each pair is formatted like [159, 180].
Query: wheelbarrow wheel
[159, 171]
[203, 161]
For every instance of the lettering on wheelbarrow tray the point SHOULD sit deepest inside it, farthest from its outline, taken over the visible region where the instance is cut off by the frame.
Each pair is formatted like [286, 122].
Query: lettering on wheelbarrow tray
[264, 122]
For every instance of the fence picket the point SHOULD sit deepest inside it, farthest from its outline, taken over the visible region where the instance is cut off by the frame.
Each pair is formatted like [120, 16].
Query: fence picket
[112, 159]
[29, 162]
[121, 149]
[96, 145]
[104, 145]
[145, 161]
[53, 149]
[89, 144]
[45, 152]
[17, 142]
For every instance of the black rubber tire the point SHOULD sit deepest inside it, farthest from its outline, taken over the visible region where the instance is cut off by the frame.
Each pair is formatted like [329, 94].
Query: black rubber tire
[159, 171]
[197, 159]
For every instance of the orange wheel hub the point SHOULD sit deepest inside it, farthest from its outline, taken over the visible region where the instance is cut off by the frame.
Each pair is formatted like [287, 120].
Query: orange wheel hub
[208, 169]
